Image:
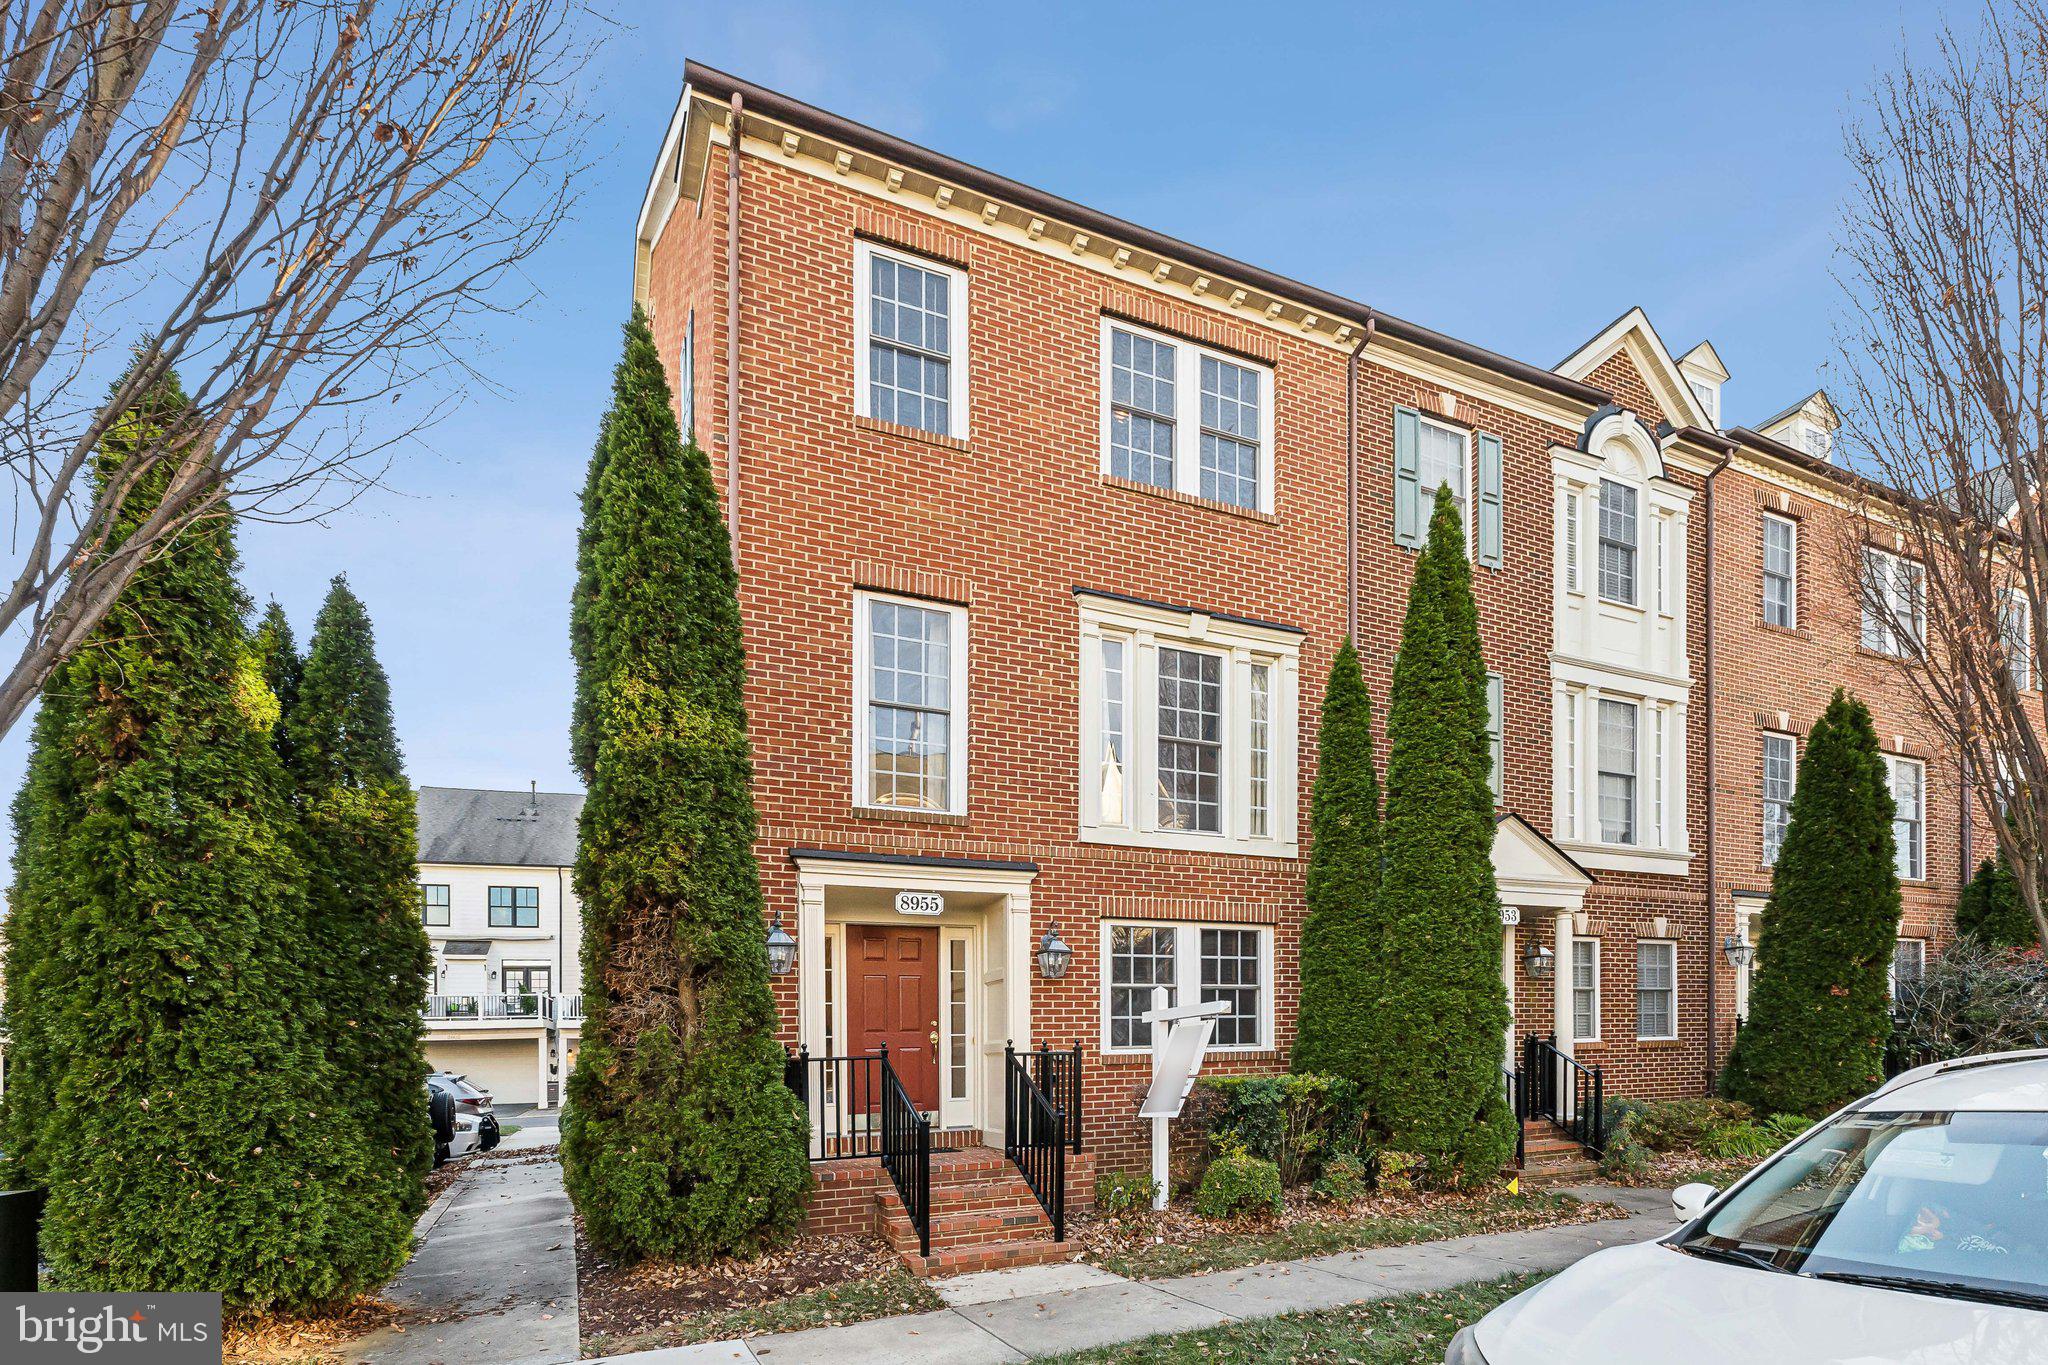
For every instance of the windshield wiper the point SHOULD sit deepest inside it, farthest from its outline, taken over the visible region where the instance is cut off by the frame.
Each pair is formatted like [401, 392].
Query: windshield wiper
[1735, 1255]
[2010, 1298]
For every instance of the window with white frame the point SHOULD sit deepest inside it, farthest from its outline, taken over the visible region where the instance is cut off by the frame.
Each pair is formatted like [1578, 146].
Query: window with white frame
[1585, 985]
[1571, 540]
[1780, 773]
[1909, 814]
[1656, 989]
[1781, 571]
[1617, 542]
[1231, 963]
[1710, 398]
[910, 704]
[1495, 707]
[1909, 962]
[2015, 626]
[1818, 442]
[1443, 460]
[1180, 416]
[686, 379]
[1188, 729]
[910, 341]
[1617, 759]
[1894, 604]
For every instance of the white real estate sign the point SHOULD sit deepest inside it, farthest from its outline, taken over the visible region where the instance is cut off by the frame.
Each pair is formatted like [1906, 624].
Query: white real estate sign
[1180, 1039]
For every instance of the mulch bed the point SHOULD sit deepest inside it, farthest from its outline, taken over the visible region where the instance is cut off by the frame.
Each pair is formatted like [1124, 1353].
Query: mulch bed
[628, 1300]
[257, 1339]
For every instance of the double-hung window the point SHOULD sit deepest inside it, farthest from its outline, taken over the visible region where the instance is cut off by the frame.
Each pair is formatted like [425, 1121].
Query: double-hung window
[1179, 416]
[1231, 963]
[2015, 628]
[1618, 542]
[910, 342]
[1656, 989]
[515, 907]
[1585, 985]
[1909, 962]
[1781, 571]
[1495, 719]
[910, 671]
[1617, 758]
[434, 905]
[1894, 604]
[1443, 460]
[1188, 729]
[1909, 815]
[1780, 772]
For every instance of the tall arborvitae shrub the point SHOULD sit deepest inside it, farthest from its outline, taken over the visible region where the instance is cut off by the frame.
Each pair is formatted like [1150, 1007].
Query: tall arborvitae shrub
[1990, 909]
[193, 1139]
[1437, 1090]
[1820, 1011]
[679, 1139]
[35, 965]
[278, 651]
[1341, 939]
[369, 950]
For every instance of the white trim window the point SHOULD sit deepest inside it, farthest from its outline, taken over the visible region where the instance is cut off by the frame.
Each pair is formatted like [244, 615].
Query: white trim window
[1188, 730]
[686, 379]
[1496, 707]
[1443, 459]
[1781, 571]
[1894, 604]
[1177, 415]
[1618, 540]
[1779, 780]
[1909, 962]
[1585, 986]
[1617, 760]
[1228, 962]
[910, 341]
[910, 704]
[1909, 814]
[2015, 627]
[1656, 989]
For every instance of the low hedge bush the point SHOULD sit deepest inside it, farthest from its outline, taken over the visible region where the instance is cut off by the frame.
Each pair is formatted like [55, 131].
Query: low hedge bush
[1297, 1122]
[1119, 1193]
[1344, 1178]
[1238, 1182]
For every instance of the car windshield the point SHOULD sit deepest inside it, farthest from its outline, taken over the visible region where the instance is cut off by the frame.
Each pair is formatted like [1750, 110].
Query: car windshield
[1952, 1203]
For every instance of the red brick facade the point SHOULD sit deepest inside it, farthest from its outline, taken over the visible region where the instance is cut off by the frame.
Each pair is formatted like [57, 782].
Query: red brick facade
[1011, 521]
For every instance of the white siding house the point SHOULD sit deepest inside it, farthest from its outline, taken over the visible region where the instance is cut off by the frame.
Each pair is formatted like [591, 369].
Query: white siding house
[504, 1006]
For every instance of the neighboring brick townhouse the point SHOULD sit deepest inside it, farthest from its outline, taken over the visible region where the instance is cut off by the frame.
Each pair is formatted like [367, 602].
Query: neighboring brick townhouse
[1046, 535]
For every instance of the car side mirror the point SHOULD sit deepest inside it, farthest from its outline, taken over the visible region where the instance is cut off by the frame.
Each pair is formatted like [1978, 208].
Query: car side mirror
[1690, 1201]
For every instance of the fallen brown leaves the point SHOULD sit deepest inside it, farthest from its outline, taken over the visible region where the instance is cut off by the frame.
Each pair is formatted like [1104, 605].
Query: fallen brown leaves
[260, 1339]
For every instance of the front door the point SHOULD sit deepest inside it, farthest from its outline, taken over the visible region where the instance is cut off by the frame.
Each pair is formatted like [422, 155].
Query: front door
[894, 1001]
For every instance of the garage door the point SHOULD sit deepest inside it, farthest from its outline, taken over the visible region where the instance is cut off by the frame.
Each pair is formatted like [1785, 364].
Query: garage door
[504, 1066]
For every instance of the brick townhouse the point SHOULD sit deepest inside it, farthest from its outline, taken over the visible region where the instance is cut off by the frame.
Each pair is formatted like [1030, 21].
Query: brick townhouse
[1048, 526]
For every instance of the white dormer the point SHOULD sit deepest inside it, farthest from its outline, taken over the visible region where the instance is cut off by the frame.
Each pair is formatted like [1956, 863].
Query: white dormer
[1808, 426]
[1704, 375]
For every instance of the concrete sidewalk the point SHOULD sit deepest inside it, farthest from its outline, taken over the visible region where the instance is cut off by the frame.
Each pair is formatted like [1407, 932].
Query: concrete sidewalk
[1013, 1315]
[498, 1261]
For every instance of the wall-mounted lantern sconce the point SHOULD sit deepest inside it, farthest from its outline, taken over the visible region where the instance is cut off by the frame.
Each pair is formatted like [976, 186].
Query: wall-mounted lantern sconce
[1053, 956]
[781, 949]
[1539, 960]
[1739, 951]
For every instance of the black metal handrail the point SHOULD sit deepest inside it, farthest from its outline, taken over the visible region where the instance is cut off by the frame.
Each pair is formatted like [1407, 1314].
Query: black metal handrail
[1520, 1110]
[1059, 1075]
[1572, 1095]
[1035, 1138]
[843, 1096]
[907, 1153]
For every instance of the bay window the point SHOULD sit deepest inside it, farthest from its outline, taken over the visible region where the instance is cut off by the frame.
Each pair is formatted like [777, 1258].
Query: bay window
[1231, 963]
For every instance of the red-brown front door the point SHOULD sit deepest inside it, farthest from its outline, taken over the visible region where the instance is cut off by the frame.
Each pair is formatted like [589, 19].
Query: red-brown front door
[894, 999]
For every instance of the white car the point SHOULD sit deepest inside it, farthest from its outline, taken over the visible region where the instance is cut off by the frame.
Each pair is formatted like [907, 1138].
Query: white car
[1910, 1227]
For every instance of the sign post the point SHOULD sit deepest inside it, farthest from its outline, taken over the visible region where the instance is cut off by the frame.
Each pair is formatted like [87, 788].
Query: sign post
[1177, 1053]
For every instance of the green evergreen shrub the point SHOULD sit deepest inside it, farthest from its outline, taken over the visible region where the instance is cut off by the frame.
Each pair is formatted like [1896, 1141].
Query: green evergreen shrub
[1669, 1125]
[368, 948]
[1990, 909]
[1121, 1193]
[193, 1138]
[1440, 1008]
[1820, 1012]
[680, 1139]
[36, 966]
[1341, 939]
[1398, 1172]
[1343, 1179]
[1239, 1183]
[1294, 1121]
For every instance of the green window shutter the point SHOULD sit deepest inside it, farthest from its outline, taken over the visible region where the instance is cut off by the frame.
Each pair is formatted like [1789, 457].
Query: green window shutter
[1496, 705]
[1408, 519]
[1489, 500]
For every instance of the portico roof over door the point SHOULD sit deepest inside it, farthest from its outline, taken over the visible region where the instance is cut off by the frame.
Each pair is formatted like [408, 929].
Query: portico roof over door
[1533, 873]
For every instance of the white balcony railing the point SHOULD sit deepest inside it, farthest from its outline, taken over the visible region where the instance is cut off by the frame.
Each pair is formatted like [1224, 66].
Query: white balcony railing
[516, 1008]
[569, 1009]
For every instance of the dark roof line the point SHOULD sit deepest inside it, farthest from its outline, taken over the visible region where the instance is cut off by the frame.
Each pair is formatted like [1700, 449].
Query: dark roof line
[799, 855]
[723, 85]
[1783, 413]
[1126, 598]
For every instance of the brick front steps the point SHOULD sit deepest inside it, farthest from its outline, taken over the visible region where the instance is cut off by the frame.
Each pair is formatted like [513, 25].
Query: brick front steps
[1551, 1158]
[984, 1217]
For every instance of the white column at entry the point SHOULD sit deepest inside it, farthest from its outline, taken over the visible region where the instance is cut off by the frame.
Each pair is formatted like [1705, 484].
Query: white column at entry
[1561, 979]
[810, 963]
[1509, 917]
[540, 1053]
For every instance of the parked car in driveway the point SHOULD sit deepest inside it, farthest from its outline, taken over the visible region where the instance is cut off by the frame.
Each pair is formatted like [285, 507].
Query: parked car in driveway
[462, 1117]
[1912, 1226]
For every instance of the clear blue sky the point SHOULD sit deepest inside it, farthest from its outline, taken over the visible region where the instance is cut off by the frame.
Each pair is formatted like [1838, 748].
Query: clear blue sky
[1514, 174]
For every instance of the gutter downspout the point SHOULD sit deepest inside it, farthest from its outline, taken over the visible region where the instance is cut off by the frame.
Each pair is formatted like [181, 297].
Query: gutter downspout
[1372, 323]
[732, 326]
[1713, 808]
